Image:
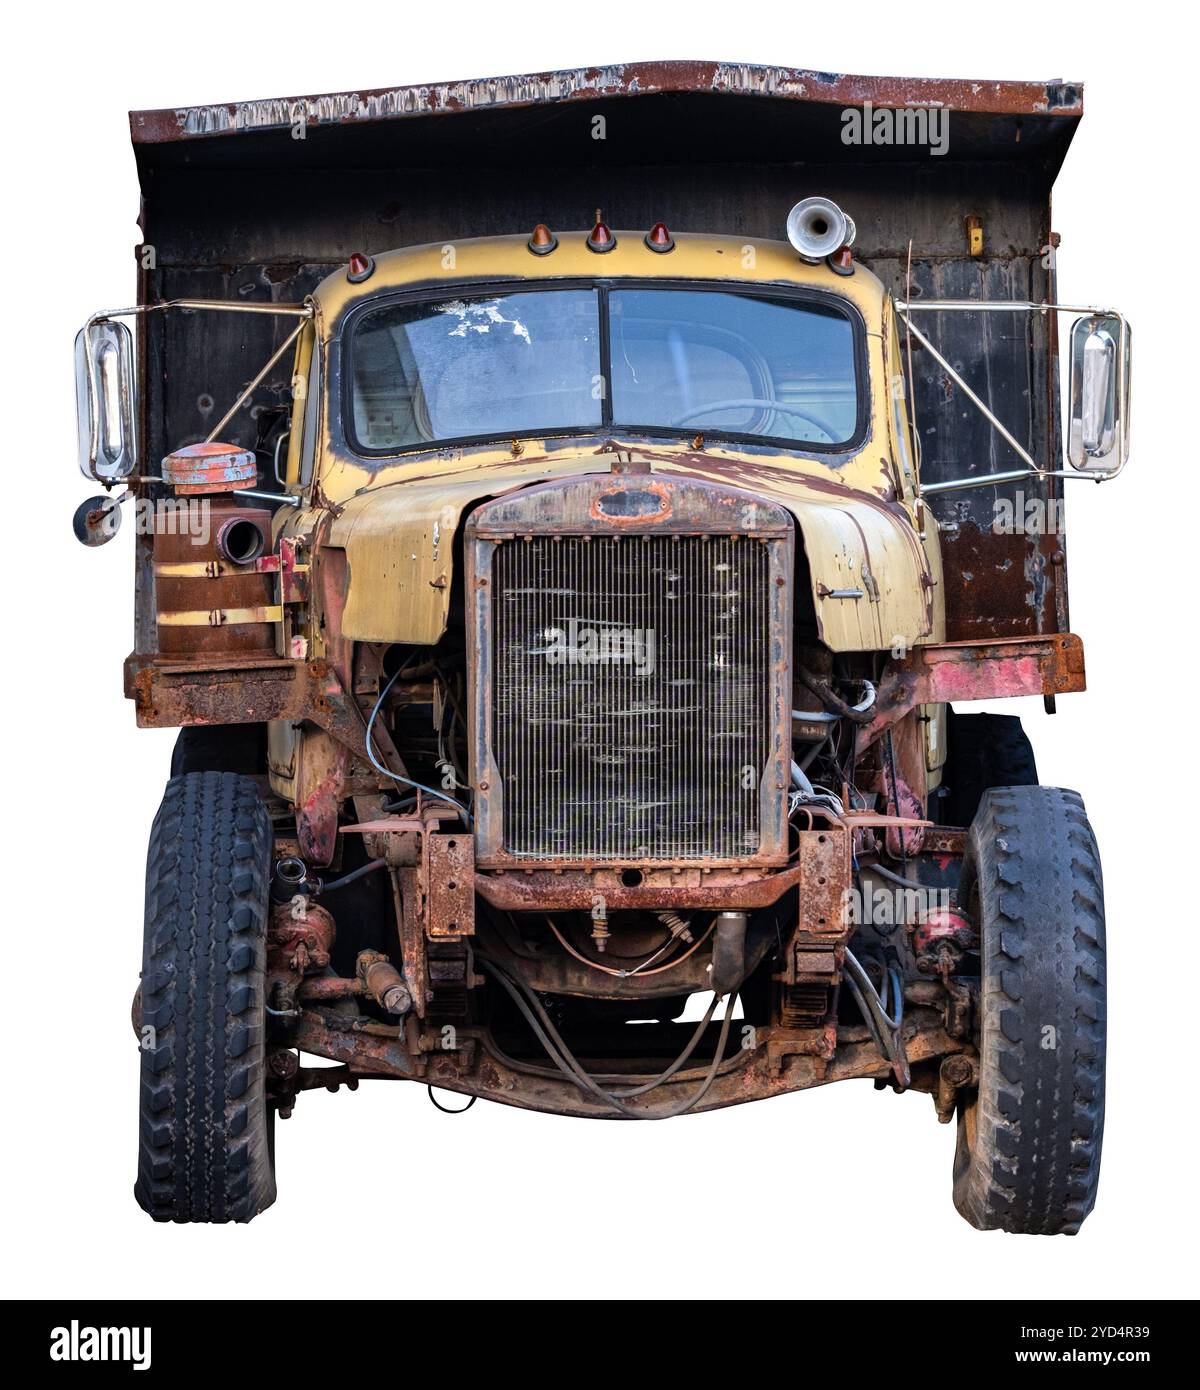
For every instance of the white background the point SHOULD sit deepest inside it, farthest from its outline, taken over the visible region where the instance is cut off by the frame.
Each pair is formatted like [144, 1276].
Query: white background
[796, 1196]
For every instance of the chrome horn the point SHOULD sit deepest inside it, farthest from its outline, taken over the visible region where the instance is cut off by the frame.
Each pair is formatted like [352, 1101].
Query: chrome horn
[817, 228]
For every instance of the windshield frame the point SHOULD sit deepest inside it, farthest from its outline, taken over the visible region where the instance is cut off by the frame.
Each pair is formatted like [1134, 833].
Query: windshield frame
[603, 285]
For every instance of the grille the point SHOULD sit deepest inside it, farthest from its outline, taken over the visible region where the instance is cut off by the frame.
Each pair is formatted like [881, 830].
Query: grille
[631, 695]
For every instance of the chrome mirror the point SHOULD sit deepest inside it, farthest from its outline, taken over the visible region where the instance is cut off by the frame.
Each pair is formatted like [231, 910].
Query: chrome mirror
[105, 400]
[1098, 435]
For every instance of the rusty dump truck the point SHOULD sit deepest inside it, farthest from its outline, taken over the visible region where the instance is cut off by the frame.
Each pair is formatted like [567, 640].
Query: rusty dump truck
[573, 515]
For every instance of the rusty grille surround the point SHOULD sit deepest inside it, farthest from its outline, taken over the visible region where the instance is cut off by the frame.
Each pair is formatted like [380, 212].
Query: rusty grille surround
[606, 538]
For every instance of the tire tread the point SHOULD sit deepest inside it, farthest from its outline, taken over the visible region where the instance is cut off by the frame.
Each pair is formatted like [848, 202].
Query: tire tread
[204, 1151]
[1035, 1163]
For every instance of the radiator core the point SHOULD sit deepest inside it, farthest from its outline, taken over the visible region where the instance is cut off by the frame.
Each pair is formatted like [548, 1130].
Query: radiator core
[631, 695]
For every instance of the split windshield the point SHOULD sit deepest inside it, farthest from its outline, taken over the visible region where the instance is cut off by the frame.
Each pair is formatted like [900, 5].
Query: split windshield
[657, 361]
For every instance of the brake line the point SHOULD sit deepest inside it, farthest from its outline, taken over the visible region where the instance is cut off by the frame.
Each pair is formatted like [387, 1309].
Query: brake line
[639, 970]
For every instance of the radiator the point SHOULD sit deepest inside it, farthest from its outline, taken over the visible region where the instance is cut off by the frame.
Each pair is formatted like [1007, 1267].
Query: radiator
[630, 705]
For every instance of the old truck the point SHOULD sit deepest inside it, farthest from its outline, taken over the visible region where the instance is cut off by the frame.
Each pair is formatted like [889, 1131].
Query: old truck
[574, 514]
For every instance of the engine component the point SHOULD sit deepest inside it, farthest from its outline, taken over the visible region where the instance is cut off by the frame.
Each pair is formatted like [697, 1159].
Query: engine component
[729, 952]
[288, 879]
[384, 982]
[676, 925]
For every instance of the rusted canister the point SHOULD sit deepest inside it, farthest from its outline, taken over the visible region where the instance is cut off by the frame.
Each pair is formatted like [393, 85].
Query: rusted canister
[210, 597]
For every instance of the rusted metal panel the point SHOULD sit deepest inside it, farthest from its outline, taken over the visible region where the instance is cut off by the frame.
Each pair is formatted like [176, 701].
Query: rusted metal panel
[960, 671]
[629, 80]
[406, 893]
[252, 690]
[868, 574]
[450, 885]
[746, 1075]
[824, 857]
[205, 605]
[575, 890]
[1052, 665]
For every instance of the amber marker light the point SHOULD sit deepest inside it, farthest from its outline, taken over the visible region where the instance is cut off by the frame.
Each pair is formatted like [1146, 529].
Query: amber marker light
[543, 240]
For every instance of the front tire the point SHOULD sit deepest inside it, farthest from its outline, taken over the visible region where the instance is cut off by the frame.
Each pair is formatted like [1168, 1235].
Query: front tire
[1028, 1153]
[205, 1150]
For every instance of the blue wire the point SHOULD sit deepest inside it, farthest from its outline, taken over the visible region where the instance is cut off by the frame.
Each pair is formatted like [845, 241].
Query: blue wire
[395, 776]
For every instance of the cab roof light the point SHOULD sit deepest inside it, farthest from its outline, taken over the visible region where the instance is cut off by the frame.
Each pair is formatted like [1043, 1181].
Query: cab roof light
[543, 240]
[842, 261]
[601, 239]
[360, 268]
[659, 239]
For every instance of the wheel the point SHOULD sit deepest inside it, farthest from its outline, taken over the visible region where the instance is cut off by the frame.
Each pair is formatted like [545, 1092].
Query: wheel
[984, 751]
[205, 1151]
[220, 748]
[1028, 1151]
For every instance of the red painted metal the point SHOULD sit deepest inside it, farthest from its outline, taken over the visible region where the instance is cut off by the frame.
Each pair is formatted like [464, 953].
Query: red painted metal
[209, 467]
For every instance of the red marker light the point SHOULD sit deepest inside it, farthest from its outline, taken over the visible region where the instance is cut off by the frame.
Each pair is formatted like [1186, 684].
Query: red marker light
[659, 239]
[361, 268]
[842, 261]
[543, 240]
[601, 239]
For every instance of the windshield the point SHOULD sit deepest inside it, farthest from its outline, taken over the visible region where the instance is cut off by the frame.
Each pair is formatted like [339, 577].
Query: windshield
[701, 361]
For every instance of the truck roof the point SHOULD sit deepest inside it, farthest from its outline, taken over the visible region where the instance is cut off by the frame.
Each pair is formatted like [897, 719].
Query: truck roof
[703, 258]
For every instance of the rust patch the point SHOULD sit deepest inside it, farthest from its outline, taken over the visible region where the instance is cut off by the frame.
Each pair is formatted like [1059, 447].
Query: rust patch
[999, 585]
[450, 885]
[955, 671]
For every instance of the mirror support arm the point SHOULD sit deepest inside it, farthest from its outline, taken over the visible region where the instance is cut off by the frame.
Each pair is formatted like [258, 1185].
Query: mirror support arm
[304, 312]
[1021, 306]
[983, 409]
[254, 385]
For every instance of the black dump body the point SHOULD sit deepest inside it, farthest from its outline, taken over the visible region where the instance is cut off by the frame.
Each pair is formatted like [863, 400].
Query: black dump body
[236, 207]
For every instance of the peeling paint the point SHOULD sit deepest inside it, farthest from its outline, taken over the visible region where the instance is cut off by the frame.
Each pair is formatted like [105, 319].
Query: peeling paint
[573, 84]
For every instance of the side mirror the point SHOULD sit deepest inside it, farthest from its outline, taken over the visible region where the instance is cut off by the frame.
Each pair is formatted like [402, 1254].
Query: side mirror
[105, 401]
[1098, 437]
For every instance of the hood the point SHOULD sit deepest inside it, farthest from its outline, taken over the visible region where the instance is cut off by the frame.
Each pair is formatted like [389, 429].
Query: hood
[873, 582]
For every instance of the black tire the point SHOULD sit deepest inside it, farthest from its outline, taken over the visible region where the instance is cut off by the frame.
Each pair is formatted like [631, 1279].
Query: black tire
[205, 1151]
[983, 751]
[1028, 1152]
[221, 748]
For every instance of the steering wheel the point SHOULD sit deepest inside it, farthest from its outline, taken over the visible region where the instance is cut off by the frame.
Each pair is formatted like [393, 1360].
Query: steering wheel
[757, 402]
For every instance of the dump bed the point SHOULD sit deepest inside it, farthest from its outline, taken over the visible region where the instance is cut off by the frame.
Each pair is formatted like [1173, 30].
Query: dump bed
[259, 200]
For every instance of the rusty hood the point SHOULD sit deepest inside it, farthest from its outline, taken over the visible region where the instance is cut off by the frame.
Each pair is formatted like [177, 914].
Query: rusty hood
[874, 582]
